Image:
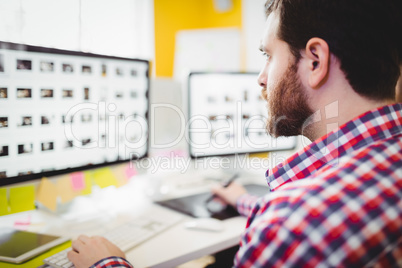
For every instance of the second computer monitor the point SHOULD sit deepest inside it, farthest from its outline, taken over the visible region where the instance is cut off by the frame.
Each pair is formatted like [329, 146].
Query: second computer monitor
[227, 116]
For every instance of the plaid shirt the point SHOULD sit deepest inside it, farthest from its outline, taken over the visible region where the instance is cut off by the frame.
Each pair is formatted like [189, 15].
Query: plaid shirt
[112, 262]
[337, 203]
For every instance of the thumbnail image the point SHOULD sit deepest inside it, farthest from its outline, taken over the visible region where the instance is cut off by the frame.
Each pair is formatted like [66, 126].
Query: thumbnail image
[47, 146]
[119, 94]
[3, 174]
[25, 148]
[46, 93]
[45, 120]
[46, 66]
[26, 121]
[24, 65]
[63, 119]
[3, 151]
[211, 99]
[67, 68]
[25, 173]
[1, 63]
[85, 118]
[3, 93]
[85, 141]
[68, 144]
[67, 93]
[104, 70]
[86, 69]
[23, 93]
[119, 71]
[48, 169]
[3, 122]
[228, 99]
[86, 93]
[103, 141]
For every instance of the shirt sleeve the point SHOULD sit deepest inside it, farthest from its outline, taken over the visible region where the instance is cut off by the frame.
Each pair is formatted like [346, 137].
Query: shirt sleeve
[245, 204]
[112, 262]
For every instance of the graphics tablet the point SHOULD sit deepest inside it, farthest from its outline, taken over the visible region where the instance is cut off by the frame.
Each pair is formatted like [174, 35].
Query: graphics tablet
[197, 205]
[18, 246]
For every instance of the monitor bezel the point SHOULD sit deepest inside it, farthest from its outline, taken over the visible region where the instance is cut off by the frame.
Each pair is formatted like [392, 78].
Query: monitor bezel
[40, 49]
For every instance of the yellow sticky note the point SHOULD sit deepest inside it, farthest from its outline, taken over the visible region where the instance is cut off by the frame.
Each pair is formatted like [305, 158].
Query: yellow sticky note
[259, 155]
[47, 194]
[88, 183]
[120, 174]
[104, 177]
[22, 198]
[64, 189]
[3, 202]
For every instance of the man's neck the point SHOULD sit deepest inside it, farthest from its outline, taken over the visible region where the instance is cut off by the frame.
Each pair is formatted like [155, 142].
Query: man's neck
[334, 114]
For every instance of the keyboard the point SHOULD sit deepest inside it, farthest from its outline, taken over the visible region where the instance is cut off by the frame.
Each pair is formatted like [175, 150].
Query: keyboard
[125, 236]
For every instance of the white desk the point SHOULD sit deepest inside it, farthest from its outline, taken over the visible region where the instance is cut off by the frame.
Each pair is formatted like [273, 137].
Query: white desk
[172, 247]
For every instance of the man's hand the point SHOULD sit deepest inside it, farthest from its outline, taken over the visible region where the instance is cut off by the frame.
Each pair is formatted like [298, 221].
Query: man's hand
[229, 194]
[89, 250]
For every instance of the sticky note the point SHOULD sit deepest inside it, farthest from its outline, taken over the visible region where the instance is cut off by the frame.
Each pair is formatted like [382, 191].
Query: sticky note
[47, 194]
[130, 171]
[64, 189]
[259, 155]
[77, 181]
[22, 198]
[3, 202]
[104, 177]
[87, 182]
[119, 172]
[23, 224]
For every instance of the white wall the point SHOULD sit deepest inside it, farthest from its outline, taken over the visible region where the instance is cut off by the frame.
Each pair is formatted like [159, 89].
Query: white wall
[119, 27]
[253, 25]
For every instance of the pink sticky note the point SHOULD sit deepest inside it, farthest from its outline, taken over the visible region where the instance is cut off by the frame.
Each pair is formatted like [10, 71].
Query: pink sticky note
[130, 171]
[77, 181]
[23, 224]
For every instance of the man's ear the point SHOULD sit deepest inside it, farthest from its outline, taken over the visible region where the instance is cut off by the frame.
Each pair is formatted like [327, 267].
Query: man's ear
[317, 55]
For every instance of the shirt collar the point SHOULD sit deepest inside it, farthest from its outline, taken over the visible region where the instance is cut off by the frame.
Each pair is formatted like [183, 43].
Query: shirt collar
[369, 127]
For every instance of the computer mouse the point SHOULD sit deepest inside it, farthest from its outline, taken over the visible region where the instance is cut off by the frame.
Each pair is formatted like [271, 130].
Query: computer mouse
[205, 224]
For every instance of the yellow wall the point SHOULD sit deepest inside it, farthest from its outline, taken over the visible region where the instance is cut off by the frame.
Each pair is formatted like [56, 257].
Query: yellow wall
[172, 16]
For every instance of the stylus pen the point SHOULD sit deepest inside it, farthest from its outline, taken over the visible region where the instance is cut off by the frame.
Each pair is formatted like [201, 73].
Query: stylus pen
[226, 184]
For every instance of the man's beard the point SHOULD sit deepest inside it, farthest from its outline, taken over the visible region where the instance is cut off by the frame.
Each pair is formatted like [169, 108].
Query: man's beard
[288, 108]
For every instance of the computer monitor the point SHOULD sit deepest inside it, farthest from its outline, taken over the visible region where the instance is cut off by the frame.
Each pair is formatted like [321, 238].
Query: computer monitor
[227, 116]
[63, 111]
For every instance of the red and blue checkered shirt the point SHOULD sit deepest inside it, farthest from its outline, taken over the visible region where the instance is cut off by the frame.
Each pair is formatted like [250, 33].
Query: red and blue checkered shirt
[115, 262]
[337, 203]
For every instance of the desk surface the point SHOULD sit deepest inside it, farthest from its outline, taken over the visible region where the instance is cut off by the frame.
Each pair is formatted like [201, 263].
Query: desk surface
[172, 247]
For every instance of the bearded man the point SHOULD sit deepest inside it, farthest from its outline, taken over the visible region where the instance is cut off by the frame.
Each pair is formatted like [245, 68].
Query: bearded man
[330, 74]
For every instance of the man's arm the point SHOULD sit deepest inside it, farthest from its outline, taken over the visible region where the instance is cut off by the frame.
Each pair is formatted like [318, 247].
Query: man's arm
[236, 196]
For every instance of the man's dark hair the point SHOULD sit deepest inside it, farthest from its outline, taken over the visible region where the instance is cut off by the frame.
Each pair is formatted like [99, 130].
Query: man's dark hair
[365, 35]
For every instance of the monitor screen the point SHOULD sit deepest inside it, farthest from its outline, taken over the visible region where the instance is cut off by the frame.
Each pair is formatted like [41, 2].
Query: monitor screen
[227, 116]
[62, 111]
